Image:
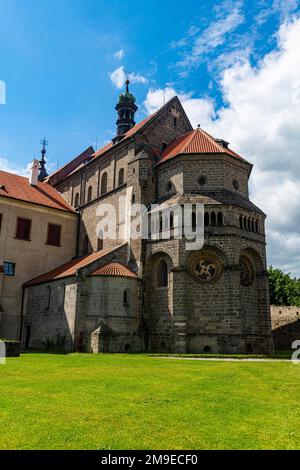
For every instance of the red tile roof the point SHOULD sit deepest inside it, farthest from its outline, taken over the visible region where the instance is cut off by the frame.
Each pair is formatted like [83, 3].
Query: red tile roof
[70, 268]
[64, 172]
[67, 169]
[128, 134]
[116, 270]
[196, 141]
[18, 187]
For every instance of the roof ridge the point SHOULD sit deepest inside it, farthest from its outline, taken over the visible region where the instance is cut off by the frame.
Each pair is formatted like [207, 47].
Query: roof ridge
[212, 140]
[68, 163]
[59, 271]
[190, 138]
[18, 187]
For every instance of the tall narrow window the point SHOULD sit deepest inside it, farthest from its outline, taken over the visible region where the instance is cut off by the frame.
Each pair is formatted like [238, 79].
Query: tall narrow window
[90, 194]
[121, 177]
[48, 298]
[86, 245]
[213, 219]
[23, 229]
[76, 200]
[194, 221]
[172, 220]
[0, 221]
[206, 219]
[162, 274]
[220, 219]
[104, 184]
[125, 297]
[100, 242]
[54, 235]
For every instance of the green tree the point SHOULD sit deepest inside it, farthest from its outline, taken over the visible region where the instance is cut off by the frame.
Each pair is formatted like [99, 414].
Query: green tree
[284, 290]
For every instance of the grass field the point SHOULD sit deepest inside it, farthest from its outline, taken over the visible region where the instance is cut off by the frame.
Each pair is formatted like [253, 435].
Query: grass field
[138, 402]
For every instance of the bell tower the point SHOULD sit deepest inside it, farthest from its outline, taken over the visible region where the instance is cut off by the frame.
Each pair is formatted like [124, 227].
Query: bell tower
[42, 163]
[126, 109]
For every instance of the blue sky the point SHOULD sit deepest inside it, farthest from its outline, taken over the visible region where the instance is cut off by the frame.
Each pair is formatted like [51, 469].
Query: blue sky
[63, 63]
[57, 57]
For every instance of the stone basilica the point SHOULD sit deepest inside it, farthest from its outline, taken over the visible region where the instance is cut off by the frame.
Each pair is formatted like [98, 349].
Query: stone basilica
[126, 295]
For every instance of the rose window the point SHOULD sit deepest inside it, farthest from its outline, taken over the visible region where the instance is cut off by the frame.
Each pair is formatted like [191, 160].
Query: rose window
[206, 267]
[246, 271]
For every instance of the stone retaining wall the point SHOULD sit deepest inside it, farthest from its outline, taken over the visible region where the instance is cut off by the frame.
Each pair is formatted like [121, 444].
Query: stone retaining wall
[285, 326]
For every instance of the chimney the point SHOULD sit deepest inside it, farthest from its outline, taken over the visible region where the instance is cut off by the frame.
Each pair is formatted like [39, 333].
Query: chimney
[34, 173]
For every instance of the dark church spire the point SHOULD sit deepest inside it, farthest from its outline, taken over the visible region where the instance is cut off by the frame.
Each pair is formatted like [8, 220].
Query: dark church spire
[126, 109]
[43, 172]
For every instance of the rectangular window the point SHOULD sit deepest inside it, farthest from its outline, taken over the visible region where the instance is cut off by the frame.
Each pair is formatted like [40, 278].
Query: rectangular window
[0, 221]
[54, 235]
[23, 229]
[9, 268]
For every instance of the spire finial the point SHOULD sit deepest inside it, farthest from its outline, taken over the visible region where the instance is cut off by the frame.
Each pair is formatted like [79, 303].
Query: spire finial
[43, 172]
[126, 109]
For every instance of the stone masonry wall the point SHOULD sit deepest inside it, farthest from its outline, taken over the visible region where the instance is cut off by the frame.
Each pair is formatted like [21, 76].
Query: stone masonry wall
[285, 326]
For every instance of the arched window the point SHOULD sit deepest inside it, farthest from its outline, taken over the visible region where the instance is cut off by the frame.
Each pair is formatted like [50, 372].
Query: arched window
[121, 177]
[89, 194]
[104, 184]
[252, 226]
[160, 222]
[100, 244]
[48, 298]
[172, 220]
[241, 221]
[76, 204]
[100, 241]
[162, 274]
[245, 223]
[256, 226]
[206, 219]
[249, 224]
[213, 219]
[220, 219]
[125, 297]
[86, 244]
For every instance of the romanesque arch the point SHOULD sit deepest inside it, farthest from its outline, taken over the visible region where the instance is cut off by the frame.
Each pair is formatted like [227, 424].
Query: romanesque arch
[158, 282]
[253, 299]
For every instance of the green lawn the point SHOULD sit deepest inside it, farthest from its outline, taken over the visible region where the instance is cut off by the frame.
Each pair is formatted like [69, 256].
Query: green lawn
[138, 402]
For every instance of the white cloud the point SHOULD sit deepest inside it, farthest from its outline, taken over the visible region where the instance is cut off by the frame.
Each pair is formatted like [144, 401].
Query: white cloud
[6, 165]
[262, 121]
[229, 17]
[119, 76]
[199, 110]
[119, 54]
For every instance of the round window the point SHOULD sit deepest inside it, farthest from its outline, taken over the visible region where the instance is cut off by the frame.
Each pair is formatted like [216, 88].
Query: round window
[202, 180]
[206, 266]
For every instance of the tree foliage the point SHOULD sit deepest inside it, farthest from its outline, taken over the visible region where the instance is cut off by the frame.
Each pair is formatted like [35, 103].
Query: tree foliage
[284, 290]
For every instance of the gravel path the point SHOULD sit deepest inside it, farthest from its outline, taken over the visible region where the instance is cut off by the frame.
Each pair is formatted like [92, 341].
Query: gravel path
[223, 359]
